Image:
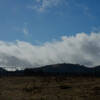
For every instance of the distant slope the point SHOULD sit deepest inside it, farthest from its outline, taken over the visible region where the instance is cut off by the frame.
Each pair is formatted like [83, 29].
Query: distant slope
[68, 69]
[2, 71]
[57, 69]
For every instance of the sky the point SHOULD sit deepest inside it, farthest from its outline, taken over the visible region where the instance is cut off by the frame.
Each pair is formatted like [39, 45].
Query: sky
[44, 20]
[53, 24]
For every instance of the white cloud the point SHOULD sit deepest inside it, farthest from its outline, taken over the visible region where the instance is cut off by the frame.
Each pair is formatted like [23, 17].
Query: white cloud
[96, 29]
[45, 5]
[25, 31]
[81, 49]
[42, 5]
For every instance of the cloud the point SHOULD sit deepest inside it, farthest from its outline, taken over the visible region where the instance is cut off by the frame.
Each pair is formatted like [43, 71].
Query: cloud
[25, 31]
[84, 8]
[43, 5]
[70, 5]
[80, 49]
[96, 28]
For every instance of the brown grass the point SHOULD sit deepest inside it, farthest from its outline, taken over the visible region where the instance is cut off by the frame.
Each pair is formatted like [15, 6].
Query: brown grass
[49, 88]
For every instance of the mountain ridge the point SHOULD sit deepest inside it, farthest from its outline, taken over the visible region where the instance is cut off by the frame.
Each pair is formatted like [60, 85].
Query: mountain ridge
[57, 69]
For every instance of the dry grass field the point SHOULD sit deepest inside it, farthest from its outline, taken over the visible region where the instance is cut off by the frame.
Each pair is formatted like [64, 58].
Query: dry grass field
[49, 88]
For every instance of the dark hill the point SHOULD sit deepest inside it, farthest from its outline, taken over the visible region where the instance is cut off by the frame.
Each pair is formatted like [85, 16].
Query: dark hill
[56, 69]
[2, 71]
[66, 69]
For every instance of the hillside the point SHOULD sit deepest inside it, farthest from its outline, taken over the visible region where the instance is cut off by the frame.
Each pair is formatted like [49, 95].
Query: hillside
[57, 69]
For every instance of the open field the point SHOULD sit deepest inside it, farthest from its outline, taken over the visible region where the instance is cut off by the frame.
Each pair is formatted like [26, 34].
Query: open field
[49, 88]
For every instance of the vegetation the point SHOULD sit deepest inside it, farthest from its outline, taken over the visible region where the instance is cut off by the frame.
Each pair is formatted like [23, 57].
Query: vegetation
[49, 88]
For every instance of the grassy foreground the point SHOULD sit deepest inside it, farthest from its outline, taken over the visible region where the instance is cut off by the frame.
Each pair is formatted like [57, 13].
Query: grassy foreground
[49, 88]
